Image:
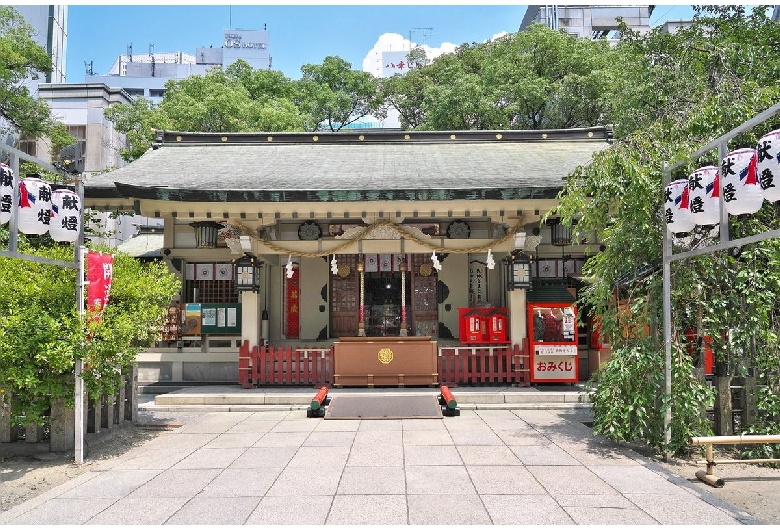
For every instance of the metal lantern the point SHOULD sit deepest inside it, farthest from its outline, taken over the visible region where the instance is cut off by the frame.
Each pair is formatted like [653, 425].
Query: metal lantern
[704, 196]
[560, 234]
[677, 207]
[206, 233]
[248, 273]
[518, 270]
[741, 192]
[64, 224]
[6, 193]
[768, 165]
[34, 206]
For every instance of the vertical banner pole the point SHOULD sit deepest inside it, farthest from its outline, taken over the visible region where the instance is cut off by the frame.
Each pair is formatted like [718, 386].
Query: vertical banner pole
[667, 322]
[78, 381]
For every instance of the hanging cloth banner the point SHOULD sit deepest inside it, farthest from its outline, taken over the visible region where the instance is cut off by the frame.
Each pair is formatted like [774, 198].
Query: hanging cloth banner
[100, 269]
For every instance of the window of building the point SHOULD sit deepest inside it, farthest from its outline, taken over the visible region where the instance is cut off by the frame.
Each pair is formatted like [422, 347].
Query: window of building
[28, 145]
[80, 133]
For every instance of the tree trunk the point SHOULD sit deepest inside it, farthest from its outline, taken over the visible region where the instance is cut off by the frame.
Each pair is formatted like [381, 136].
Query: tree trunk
[724, 423]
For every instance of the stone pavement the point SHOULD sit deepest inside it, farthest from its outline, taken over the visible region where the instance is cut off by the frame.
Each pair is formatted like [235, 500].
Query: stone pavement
[499, 466]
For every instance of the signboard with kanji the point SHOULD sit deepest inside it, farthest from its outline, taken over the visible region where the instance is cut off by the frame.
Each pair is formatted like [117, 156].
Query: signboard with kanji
[396, 62]
[552, 335]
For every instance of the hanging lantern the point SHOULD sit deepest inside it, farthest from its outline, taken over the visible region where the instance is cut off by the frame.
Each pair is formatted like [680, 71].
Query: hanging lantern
[34, 206]
[6, 193]
[741, 192]
[768, 165]
[518, 270]
[206, 233]
[704, 196]
[677, 207]
[64, 224]
[247, 273]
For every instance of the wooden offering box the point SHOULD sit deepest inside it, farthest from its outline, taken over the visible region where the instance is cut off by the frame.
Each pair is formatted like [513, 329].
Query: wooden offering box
[384, 361]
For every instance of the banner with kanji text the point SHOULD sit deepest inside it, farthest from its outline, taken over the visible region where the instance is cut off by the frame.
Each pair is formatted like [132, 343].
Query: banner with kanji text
[99, 274]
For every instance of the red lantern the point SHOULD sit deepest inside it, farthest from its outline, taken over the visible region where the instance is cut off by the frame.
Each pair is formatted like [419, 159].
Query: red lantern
[678, 214]
[65, 222]
[6, 193]
[34, 206]
[768, 165]
[741, 192]
[704, 196]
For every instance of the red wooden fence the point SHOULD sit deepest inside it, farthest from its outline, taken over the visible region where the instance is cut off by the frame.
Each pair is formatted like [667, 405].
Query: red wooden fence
[274, 366]
[506, 364]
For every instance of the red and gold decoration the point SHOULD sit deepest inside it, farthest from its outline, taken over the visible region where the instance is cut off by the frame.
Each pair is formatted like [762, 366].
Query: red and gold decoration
[293, 305]
[362, 321]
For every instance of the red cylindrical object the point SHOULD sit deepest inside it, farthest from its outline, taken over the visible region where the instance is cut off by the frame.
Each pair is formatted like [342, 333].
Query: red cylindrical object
[448, 397]
[319, 398]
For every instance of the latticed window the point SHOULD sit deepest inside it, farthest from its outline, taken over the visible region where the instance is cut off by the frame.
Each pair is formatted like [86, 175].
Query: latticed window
[212, 291]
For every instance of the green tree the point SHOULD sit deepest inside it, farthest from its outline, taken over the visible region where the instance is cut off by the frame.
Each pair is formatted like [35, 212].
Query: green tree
[534, 79]
[137, 121]
[239, 99]
[41, 333]
[668, 95]
[334, 95]
[21, 59]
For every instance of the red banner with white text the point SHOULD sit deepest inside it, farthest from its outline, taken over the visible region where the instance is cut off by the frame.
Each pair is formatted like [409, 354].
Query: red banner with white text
[100, 268]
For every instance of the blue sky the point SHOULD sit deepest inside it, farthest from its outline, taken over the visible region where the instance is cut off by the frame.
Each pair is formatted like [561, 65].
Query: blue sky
[299, 34]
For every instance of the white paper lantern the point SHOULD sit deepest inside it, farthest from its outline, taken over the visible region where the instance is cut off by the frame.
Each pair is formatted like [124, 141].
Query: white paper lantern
[768, 165]
[676, 206]
[64, 224]
[704, 196]
[741, 191]
[34, 206]
[6, 193]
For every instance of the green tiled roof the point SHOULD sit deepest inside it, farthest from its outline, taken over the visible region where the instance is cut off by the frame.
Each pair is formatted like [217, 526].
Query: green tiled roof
[549, 293]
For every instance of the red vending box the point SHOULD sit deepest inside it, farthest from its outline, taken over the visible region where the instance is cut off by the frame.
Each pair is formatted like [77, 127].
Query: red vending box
[482, 325]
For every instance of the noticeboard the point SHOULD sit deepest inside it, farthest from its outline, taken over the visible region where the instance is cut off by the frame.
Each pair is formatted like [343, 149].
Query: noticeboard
[202, 319]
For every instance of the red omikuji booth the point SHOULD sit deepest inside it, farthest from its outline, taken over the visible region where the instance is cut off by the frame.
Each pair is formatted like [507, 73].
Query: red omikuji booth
[552, 338]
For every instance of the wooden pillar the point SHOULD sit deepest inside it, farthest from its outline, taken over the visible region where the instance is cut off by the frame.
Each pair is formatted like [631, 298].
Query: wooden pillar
[362, 321]
[404, 332]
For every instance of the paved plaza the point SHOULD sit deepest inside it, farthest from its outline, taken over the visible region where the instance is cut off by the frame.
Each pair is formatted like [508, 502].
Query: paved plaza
[274, 467]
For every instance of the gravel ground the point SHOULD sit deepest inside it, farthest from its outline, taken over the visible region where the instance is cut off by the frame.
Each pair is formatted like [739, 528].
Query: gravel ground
[749, 487]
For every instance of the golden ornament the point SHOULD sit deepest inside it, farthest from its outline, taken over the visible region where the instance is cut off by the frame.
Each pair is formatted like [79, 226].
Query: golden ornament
[385, 356]
[344, 270]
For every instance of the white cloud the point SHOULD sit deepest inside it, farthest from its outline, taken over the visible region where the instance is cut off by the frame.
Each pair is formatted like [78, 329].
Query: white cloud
[391, 42]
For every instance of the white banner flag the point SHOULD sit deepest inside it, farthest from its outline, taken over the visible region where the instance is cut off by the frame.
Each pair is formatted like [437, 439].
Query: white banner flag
[224, 271]
[372, 263]
[386, 263]
[204, 271]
